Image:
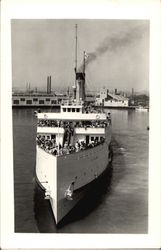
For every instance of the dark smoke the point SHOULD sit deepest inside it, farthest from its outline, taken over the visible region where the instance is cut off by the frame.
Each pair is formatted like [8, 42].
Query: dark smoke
[115, 42]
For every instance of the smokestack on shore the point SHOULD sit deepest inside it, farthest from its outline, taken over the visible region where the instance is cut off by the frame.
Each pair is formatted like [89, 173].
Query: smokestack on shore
[48, 84]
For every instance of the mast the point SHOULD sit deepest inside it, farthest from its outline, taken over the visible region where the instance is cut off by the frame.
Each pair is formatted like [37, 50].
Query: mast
[75, 52]
[84, 55]
[79, 87]
[75, 69]
[84, 65]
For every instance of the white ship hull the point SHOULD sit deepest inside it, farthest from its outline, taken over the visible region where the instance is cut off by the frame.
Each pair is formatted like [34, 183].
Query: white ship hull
[55, 174]
[142, 109]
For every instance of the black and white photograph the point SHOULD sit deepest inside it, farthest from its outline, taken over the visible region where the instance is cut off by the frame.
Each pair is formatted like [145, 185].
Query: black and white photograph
[81, 131]
[80, 125]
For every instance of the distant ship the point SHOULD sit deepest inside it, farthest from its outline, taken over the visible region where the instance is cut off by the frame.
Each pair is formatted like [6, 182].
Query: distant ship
[72, 149]
[142, 109]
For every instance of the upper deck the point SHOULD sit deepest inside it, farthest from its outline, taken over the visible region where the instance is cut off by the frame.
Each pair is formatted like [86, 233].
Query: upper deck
[72, 116]
[74, 112]
[76, 127]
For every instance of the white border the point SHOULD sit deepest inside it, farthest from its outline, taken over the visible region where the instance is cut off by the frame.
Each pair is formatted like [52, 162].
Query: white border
[109, 9]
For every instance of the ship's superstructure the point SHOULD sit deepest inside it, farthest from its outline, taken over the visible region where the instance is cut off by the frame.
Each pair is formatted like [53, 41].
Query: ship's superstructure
[73, 149]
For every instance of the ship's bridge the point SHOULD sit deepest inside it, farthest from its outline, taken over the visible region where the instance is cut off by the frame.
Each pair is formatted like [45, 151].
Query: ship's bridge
[71, 109]
[73, 106]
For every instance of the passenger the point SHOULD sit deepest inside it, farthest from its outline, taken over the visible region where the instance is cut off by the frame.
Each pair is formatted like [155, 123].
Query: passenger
[65, 144]
[95, 142]
[65, 151]
[82, 145]
[77, 147]
[53, 142]
[54, 151]
[60, 151]
[70, 148]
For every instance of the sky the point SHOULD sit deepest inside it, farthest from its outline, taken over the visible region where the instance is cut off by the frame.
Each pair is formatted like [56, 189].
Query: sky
[118, 53]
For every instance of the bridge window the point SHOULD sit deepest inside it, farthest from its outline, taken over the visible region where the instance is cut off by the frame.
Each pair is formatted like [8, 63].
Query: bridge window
[92, 138]
[73, 109]
[64, 110]
[22, 99]
[48, 99]
[41, 102]
[35, 99]
[29, 102]
[78, 110]
[16, 101]
[53, 101]
[69, 109]
[53, 136]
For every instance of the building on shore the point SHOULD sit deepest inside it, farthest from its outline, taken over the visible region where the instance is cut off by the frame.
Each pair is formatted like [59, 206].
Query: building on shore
[30, 98]
[107, 99]
[37, 99]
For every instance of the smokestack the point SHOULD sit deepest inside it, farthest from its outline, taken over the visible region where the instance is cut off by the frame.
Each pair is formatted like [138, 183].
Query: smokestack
[132, 94]
[115, 91]
[49, 84]
[80, 86]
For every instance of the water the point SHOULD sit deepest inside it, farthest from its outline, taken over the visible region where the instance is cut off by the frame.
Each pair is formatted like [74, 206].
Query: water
[120, 206]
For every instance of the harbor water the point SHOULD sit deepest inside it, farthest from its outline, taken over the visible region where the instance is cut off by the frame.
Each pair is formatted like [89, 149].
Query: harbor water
[120, 206]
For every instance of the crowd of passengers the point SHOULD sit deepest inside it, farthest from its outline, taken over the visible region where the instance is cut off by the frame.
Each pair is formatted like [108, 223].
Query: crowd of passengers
[66, 124]
[90, 109]
[50, 145]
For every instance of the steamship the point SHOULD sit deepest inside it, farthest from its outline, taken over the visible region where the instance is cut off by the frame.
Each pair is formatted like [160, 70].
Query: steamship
[72, 149]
